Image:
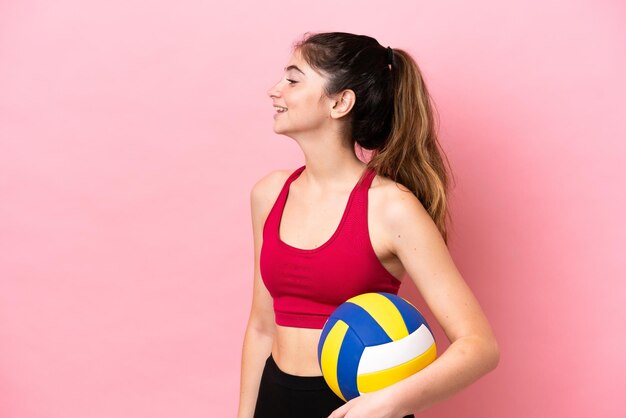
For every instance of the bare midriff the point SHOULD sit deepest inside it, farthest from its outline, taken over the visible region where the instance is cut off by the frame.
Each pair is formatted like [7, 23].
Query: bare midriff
[295, 350]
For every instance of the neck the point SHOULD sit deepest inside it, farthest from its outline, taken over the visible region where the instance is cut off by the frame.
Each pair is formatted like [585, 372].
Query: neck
[330, 162]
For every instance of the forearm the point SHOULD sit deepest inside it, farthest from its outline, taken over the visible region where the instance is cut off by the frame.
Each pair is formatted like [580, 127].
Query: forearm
[464, 362]
[257, 346]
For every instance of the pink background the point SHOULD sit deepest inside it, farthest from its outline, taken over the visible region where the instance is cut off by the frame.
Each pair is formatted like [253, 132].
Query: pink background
[131, 133]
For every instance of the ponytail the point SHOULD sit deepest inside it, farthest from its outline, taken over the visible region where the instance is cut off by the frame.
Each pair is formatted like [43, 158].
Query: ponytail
[411, 155]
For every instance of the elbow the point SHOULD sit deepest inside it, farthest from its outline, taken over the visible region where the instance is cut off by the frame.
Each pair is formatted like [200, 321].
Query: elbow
[486, 352]
[492, 352]
[261, 325]
[483, 350]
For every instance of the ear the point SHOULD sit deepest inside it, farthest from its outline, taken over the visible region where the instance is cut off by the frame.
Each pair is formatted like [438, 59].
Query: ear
[342, 104]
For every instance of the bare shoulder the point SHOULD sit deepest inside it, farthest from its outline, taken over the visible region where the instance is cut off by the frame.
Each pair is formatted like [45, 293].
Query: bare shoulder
[395, 205]
[265, 191]
[394, 198]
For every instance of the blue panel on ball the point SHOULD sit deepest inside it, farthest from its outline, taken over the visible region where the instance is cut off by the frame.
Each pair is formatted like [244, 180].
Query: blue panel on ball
[362, 323]
[348, 364]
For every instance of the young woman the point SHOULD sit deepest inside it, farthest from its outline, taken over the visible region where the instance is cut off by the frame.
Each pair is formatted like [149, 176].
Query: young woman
[337, 227]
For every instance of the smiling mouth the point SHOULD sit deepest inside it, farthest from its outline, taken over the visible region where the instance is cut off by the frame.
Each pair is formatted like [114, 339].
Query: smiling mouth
[280, 109]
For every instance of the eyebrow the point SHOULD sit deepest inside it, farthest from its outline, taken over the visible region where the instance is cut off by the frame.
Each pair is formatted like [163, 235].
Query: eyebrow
[294, 67]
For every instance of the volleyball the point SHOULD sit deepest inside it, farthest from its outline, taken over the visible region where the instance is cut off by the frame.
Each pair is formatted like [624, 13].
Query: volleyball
[372, 341]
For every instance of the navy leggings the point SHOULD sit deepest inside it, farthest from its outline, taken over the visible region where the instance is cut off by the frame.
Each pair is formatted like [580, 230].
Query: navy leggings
[282, 395]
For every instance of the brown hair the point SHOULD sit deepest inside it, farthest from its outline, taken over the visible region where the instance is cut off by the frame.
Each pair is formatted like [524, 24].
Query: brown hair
[392, 115]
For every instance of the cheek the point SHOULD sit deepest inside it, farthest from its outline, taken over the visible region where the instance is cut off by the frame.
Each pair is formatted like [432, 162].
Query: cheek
[305, 104]
[312, 105]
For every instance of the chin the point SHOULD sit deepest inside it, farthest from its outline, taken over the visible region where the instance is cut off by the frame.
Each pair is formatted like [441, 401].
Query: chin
[277, 129]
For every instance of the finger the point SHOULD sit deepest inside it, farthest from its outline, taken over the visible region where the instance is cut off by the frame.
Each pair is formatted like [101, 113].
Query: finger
[339, 412]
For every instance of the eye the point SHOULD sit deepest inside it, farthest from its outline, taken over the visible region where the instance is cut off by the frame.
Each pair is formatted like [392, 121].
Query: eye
[291, 81]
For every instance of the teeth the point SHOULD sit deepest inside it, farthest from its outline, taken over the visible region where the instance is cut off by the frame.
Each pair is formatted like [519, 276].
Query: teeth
[281, 109]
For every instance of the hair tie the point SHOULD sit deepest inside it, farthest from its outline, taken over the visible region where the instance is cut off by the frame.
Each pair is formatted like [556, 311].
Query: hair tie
[390, 59]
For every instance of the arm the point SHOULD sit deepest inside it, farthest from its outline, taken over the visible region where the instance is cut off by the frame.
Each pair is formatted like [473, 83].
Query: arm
[416, 241]
[258, 338]
[473, 351]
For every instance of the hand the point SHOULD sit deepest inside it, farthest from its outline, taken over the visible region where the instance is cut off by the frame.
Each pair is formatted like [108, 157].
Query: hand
[368, 405]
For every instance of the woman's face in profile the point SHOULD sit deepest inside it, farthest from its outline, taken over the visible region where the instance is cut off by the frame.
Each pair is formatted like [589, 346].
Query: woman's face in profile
[301, 92]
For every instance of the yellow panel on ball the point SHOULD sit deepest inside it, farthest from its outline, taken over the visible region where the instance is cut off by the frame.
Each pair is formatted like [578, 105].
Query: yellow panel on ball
[384, 313]
[330, 355]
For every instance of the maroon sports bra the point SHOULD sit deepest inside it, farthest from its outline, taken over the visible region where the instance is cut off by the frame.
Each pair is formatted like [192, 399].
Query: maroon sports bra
[308, 284]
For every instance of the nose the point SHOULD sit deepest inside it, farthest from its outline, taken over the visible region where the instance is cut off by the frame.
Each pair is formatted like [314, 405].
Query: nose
[274, 91]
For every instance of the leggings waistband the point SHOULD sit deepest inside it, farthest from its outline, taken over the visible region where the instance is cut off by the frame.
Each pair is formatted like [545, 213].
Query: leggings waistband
[293, 381]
